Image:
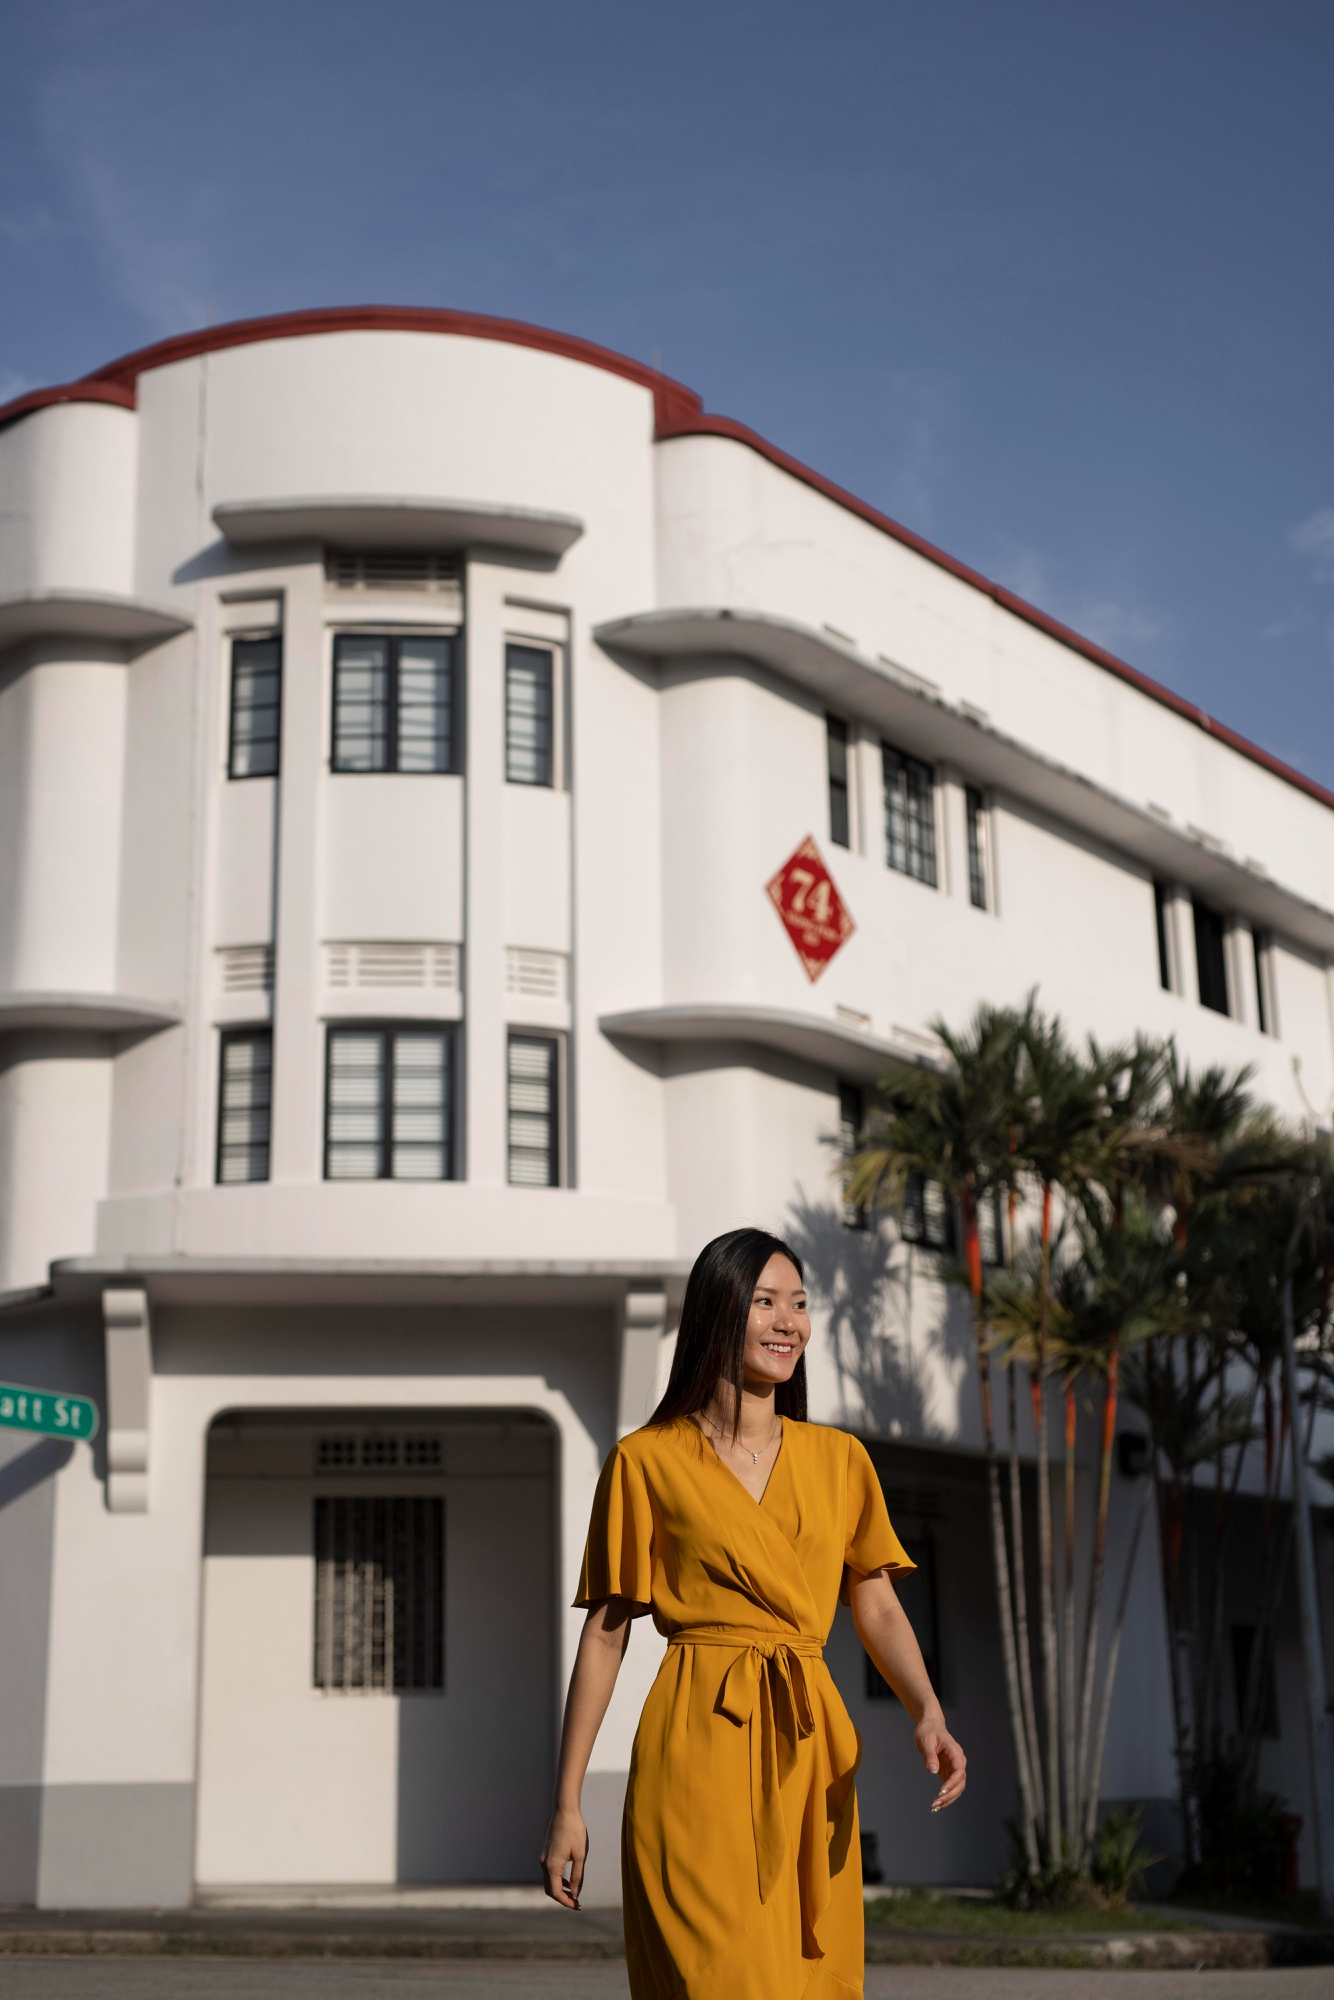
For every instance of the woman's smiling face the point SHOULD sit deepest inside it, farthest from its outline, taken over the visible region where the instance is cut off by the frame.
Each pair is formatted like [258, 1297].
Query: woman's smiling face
[778, 1326]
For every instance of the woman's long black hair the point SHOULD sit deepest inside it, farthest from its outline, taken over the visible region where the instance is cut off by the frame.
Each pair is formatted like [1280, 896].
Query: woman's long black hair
[712, 1337]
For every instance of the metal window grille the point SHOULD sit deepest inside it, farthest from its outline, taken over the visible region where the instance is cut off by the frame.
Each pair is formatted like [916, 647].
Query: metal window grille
[918, 1598]
[256, 707]
[975, 811]
[392, 569]
[1211, 958]
[389, 1104]
[836, 748]
[991, 1230]
[851, 1116]
[405, 966]
[529, 715]
[245, 1098]
[247, 968]
[1160, 920]
[533, 1111]
[379, 1451]
[927, 1217]
[379, 1593]
[393, 706]
[536, 975]
[910, 816]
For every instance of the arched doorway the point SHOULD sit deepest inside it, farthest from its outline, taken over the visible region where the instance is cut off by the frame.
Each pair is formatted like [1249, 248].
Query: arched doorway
[377, 1660]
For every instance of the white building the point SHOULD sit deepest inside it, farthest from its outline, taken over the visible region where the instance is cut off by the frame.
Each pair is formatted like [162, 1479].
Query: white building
[401, 716]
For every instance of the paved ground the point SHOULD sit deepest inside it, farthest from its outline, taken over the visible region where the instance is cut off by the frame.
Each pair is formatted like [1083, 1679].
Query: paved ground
[75, 1979]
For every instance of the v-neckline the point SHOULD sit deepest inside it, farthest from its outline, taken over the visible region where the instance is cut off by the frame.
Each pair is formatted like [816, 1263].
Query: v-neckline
[723, 1466]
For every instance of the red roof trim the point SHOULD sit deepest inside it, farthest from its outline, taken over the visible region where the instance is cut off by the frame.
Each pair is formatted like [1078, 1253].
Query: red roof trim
[678, 412]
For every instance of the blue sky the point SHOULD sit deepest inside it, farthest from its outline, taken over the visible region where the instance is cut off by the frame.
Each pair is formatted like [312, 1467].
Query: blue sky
[1050, 281]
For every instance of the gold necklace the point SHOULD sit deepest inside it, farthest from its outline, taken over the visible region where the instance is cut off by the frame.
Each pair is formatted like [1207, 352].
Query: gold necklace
[754, 1455]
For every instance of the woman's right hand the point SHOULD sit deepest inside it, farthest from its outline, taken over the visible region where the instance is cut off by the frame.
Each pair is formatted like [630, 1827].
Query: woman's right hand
[566, 1845]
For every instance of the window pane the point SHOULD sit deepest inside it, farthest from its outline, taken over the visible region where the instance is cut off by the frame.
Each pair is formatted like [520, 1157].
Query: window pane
[836, 743]
[361, 703]
[1160, 919]
[1211, 959]
[425, 720]
[356, 1105]
[245, 1096]
[420, 1140]
[977, 874]
[910, 820]
[528, 715]
[256, 691]
[532, 1111]
[1260, 949]
[851, 1112]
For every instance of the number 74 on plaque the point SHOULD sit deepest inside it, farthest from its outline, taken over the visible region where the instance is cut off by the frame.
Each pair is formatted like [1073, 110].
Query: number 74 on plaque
[56, 1415]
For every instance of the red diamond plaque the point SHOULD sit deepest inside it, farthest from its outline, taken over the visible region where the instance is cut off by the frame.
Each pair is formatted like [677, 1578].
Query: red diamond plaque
[811, 908]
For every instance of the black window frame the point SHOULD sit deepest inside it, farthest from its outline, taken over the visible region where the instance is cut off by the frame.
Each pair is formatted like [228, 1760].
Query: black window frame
[387, 1031]
[393, 643]
[918, 785]
[838, 751]
[1160, 902]
[1261, 944]
[917, 1223]
[230, 1038]
[975, 814]
[1213, 986]
[553, 1040]
[547, 655]
[851, 1119]
[238, 645]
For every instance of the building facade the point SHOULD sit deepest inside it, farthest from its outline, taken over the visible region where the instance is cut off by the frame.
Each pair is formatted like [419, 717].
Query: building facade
[402, 716]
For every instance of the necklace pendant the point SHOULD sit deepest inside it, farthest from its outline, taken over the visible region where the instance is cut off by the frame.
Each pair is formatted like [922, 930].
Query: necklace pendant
[755, 1458]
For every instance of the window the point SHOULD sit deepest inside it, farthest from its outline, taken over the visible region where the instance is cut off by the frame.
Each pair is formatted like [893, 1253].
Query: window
[533, 1111]
[393, 703]
[1263, 973]
[245, 1098]
[836, 746]
[379, 1593]
[918, 1598]
[851, 1117]
[910, 816]
[975, 819]
[975, 812]
[1160, 918]
[529, 715]
[991, 1229]
[389, 1113]
[1211, 958]
[257, 672]
[927, 1217]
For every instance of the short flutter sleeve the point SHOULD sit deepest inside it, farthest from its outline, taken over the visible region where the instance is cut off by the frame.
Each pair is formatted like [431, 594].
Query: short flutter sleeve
[618, 1556]
[871, 1541]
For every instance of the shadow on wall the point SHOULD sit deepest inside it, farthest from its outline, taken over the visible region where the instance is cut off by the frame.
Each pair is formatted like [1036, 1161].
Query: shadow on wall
[864, 1278]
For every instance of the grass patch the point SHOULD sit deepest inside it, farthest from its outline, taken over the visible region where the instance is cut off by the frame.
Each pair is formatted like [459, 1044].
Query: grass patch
[971, 1916]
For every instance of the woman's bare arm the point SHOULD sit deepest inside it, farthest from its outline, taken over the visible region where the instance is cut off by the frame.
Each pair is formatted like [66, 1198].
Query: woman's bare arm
[883, 1628]
[602, 1645]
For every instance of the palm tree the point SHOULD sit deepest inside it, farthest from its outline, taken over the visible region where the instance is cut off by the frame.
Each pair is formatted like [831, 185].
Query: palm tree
[952, 1125]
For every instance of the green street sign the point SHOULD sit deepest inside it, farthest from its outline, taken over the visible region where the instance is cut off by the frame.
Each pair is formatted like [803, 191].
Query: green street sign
[43, 1410]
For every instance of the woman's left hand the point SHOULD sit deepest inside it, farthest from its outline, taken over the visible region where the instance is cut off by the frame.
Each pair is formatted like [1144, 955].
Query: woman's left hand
[943, 1757]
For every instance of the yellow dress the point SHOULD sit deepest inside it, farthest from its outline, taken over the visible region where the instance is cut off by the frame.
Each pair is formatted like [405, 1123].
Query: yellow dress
[740, 1860]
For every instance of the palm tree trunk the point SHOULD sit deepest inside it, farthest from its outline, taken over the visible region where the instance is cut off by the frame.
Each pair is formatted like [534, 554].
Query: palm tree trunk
[1046, 1555]
[999, 1553]
[1022, 1639]
[1086, 1787]
[1068, 1709]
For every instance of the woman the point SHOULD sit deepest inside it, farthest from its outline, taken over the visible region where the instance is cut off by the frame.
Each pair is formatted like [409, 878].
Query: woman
[739, 1525]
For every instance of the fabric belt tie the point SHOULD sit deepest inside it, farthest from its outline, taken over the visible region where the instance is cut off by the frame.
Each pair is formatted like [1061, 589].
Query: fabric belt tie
[765, 1686]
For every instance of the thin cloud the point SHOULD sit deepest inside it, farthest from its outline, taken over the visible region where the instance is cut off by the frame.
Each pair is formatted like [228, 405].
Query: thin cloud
[1314, 538]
